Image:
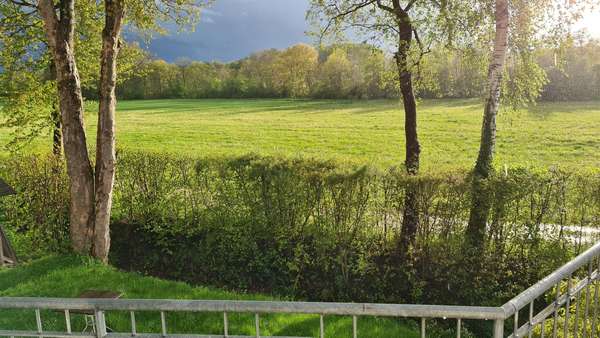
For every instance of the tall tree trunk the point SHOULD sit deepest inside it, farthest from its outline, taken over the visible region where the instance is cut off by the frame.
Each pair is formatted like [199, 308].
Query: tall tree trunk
[481, 204]
[60, 31]
[410, 220]
[105, 145]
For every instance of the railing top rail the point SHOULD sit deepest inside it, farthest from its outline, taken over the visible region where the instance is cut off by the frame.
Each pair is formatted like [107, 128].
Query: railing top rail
[351, 309]
[541, 287]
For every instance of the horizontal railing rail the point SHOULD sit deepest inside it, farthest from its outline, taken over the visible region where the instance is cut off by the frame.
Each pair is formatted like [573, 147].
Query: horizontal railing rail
[573, 287]
[347, 309]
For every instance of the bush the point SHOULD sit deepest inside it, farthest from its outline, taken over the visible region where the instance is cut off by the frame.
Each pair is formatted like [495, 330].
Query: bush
[319, 230]
[37, 218]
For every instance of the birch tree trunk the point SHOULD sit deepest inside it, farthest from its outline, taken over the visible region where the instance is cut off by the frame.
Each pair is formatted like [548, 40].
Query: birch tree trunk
[105, 145]
[481, 203]
[59, 31]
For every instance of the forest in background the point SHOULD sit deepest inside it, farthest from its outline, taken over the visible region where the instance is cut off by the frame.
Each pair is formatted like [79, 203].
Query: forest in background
[357, 71]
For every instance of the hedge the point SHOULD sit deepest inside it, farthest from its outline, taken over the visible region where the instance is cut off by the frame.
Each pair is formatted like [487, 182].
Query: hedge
[315, 230]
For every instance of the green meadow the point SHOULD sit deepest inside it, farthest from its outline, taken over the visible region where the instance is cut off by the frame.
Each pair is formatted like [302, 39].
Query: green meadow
[548, 134]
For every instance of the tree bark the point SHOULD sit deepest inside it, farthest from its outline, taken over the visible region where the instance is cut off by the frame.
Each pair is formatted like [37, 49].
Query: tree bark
[481, 204]
[60, 32]
[410, 220]
[105, 145]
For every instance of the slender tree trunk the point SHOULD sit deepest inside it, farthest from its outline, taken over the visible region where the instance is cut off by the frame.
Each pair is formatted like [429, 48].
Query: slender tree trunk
[60, 31]
[410, 220]
[105, 145]
[481, 204]
[56, 132]
[55, 115]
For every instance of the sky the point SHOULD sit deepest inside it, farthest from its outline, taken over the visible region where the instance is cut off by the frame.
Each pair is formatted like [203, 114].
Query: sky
[233, 29]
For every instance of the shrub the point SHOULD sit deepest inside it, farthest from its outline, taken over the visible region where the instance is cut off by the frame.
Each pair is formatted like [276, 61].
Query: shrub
[37, 217]
[319, 230]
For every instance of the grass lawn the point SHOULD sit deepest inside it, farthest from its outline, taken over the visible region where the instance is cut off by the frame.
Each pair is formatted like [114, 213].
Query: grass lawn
[68, 276]
[566, 134]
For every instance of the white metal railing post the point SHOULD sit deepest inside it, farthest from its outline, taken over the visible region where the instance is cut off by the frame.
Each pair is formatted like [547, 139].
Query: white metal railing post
[499, 328]
[257, 324]
[163, 324]
[38, 321]
[321, 327]
[133, 324]
[68, 321]
[100, 323]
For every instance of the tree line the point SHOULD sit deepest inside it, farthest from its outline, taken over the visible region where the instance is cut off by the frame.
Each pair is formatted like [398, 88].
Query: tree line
[354, 71]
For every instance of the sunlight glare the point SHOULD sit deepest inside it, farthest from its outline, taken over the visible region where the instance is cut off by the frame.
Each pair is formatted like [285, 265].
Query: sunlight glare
[591, 23]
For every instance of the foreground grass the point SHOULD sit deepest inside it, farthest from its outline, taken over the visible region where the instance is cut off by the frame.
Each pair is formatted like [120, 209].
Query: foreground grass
[566, 134]
[69, 276]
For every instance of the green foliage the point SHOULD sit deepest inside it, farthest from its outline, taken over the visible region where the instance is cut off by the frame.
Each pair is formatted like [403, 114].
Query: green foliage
[320, 230]
[523, 83]
[336, 74]
[27, 110]
[294, 70]
[38, 215]
[342, 71]
[453, 74]
[25, 90]
[573, 71]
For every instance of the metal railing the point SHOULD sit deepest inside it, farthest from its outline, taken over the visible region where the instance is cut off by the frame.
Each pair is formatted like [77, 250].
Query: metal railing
[571, 312]
[571, 285]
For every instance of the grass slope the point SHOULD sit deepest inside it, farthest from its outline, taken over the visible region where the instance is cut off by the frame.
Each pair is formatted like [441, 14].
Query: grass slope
[565, 133]
[68, 276]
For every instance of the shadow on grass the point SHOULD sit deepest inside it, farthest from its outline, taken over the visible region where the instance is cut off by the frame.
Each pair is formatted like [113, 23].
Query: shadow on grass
[234, 107]
[546, 110]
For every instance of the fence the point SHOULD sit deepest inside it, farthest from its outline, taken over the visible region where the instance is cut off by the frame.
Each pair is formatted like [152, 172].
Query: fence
[564, 304]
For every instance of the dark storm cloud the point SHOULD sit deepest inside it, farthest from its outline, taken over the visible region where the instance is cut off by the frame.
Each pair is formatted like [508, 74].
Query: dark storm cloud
[233, 29]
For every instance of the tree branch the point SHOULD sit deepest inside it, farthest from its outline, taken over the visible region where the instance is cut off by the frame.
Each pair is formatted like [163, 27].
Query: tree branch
[385, 8]
[342, 13]
[23, 3]
[409, 6]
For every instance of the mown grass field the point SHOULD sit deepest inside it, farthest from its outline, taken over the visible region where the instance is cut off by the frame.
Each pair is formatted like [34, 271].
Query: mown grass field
[69, 276]
[565, 134]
